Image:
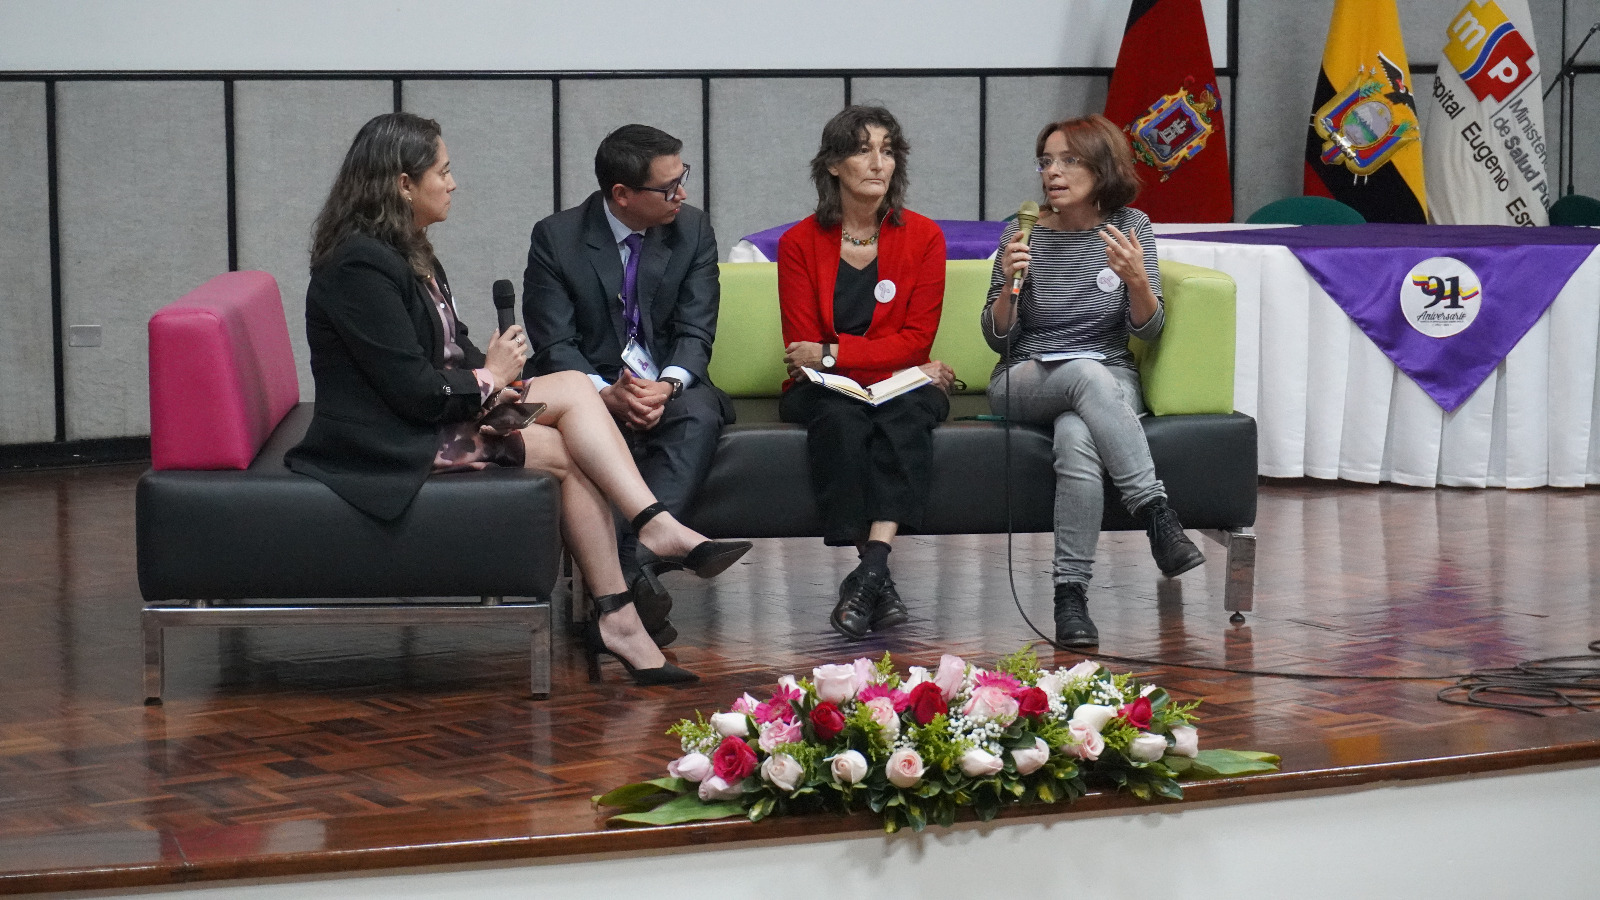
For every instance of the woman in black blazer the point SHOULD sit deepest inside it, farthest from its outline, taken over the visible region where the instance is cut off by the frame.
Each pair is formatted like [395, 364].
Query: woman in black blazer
[402, 392]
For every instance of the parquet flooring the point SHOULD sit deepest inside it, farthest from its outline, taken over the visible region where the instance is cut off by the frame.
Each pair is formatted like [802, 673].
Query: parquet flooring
[298, 742]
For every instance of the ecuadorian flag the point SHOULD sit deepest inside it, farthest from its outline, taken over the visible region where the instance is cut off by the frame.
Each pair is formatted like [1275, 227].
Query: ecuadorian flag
[1364, 146]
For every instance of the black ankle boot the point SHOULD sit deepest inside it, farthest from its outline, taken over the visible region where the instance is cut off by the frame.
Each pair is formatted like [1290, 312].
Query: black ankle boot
[1073, 626]
[1173, 551]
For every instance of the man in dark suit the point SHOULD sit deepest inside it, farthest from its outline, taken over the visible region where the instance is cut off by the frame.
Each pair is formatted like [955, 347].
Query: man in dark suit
[632, 273]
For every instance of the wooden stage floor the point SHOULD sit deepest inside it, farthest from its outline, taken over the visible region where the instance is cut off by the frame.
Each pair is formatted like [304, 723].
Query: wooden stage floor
[285, 751]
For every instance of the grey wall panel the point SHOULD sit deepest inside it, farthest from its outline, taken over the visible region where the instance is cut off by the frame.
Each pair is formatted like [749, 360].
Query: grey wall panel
[590, 110]
[1018, 108]
[1279, 57]
[764, 132]
[499, 137]
[27, 360]
[143, 182]
[940, 120]
[289, 138]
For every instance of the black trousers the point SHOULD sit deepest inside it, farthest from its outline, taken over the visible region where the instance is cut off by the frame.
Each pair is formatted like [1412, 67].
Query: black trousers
[868, 463]
[674, 458]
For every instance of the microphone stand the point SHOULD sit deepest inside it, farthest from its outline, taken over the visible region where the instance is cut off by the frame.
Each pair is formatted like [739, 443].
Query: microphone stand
[1567, 79]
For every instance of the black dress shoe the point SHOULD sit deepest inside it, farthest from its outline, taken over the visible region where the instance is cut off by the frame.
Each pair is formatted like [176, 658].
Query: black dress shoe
[1174, 553]
[1073, 626]
[653, 606]
[858, 595]
[666, 673]
[890, 609]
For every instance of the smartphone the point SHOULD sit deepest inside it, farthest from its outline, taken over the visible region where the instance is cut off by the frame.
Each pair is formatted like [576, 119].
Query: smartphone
[523, 413]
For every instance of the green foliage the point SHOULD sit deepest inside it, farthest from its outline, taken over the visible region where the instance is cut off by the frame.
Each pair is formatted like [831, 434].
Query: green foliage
[938, 747]
[697, 736]
[886, 672]
[680, 809]
[1223, 763]
[865, 734]
[1024, 664]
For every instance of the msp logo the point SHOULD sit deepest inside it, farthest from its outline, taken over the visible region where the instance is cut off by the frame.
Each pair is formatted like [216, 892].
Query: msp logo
[1374, 116]
[1175, 128]
[1492, 57]
[1441, 296]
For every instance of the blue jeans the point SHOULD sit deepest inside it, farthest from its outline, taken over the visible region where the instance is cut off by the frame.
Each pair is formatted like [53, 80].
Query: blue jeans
[1095, 411]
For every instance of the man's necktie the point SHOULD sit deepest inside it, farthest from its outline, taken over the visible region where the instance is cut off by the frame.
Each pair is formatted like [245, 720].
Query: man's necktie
[630, 287]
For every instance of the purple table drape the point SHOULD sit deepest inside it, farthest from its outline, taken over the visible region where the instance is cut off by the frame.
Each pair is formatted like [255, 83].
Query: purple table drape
[1363, 268]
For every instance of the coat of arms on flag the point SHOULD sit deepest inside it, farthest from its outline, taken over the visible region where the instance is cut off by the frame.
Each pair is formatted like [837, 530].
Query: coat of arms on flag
[1174, 129]
[1374, 116]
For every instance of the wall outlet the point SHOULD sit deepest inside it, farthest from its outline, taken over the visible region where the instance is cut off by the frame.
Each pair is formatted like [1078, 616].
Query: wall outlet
[83, 336]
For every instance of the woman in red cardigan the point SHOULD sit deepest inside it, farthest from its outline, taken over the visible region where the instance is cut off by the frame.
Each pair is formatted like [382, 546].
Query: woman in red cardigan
[861, 284]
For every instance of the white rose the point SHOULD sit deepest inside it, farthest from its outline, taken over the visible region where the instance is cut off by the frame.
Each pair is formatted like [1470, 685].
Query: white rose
[916, 675]
[835, 683]
[848, 767]
[883, 713]
[1148, 747]
[1093, 716]
[782, 770]
[1147, 690]
[976, 763]
[731, 724]
[789, 682]
[1186, 741]
[714, 788]
[1029, 759]
[690, 767]
[1051, 683]
[1083, 670]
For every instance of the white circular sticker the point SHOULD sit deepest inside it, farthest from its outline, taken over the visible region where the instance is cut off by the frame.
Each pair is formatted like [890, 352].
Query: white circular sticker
[884, 291]
[1107, 280]
[1441, 296]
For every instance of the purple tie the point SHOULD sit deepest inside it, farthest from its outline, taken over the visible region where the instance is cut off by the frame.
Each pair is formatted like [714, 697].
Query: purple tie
[630, 286]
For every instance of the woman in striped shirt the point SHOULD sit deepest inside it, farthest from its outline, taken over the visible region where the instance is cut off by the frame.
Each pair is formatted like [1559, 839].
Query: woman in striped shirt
[1061, 323]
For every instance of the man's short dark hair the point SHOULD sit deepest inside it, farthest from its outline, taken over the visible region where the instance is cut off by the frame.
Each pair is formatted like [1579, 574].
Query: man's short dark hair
[625, 155]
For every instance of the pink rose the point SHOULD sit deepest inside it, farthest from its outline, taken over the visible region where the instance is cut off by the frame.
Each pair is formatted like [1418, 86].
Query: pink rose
[1185, 741]
[1137, 713]
[904, 768]
[1029, 759]
[1148, 747]
[848, 767]
[835, 683]
[976, 763]
[745, 704]
[778, 733]
[690, 767]
[783, 771]
[1086, 742]
[952, 671]
[1051, 683]
[882, 709]
[992, 703]
[866, 672]
[717, 788]
[733, 760]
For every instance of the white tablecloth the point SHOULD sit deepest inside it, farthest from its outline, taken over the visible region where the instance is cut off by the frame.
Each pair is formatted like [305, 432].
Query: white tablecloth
[1329, 404]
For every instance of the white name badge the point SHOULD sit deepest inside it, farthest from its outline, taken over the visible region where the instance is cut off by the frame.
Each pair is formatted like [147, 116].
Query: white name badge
[884, 291]
[638, 361]
[1107, 280]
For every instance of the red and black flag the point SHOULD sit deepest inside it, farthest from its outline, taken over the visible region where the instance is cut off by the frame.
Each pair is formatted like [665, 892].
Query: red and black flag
[1364, 147]
[1164, 95]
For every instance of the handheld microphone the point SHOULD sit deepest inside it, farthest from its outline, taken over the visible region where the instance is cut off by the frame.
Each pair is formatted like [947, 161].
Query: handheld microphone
[1027, 215]
[505, 301]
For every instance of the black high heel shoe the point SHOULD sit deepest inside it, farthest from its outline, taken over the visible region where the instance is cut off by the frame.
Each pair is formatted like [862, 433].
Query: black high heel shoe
[666, 673]
[708, 559]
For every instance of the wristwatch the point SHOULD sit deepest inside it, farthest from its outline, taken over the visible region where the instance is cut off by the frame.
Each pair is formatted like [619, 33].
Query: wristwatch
[677, 387]
[828, 359]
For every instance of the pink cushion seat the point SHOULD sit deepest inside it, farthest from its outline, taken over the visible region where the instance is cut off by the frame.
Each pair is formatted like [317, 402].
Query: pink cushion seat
[222, 373]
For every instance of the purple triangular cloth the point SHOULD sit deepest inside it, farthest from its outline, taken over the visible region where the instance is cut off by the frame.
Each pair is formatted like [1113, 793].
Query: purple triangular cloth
[1362, 267]
[962, 239]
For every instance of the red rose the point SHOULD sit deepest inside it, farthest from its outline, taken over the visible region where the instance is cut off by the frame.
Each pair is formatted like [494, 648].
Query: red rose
[1032, 702]
[1137, 713]
[927, 701]
[733, 760]
[827, 721]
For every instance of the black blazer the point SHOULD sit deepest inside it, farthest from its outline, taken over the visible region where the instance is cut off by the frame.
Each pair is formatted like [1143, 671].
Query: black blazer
[574, 277]
[382, 394]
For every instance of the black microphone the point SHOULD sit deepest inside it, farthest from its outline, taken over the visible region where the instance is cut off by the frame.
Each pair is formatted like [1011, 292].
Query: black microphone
[505, 301]
[1026, 217]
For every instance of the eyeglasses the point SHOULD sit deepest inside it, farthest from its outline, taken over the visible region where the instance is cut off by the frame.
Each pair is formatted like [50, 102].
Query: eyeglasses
[1066, 161]
[671, 189]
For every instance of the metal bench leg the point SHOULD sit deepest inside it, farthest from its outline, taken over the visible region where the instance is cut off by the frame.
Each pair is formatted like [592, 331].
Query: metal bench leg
[154, 674]
[539, 638]
[1239, 591]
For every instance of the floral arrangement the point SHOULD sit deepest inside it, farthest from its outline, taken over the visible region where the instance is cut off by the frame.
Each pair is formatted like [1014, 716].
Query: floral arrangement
[917, 748]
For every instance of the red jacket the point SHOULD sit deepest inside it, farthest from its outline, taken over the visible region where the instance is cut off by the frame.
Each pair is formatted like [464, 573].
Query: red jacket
[910, 256]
